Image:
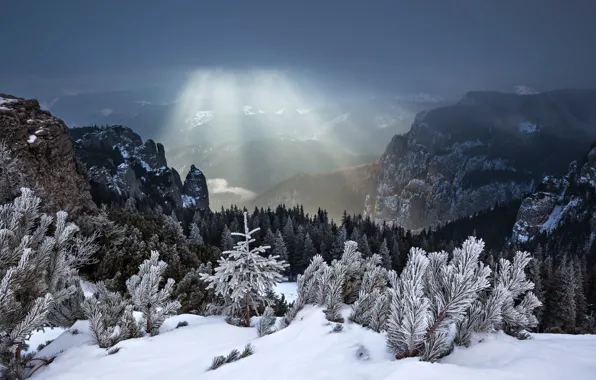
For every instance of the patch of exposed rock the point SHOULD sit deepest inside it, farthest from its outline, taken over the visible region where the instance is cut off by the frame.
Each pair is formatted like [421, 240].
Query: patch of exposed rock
[45, 156]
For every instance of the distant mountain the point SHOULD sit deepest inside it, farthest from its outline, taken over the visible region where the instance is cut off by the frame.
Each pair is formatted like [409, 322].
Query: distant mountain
[257, 165]
[336, 191]
[489, 148]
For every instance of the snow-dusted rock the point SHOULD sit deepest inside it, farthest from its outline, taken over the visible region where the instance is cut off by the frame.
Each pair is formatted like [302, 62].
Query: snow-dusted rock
[120, 164]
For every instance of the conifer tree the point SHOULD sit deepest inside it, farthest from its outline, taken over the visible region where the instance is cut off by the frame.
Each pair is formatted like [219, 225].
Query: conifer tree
[270, 239]
[195, 235]
[227, 241]
[562, 302]
[154, 303]
[385, 255]
[337, 249]
[364, 247]
[279, 249]
[581, 306]
[243, 276]
[39, 285]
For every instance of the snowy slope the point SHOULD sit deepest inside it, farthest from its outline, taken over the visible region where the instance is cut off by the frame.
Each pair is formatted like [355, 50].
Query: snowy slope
[308, 350]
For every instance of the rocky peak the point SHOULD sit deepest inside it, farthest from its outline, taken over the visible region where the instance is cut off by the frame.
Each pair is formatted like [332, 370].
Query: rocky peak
[121, 165]
[487, 149]
[194, 190]
[40, 144]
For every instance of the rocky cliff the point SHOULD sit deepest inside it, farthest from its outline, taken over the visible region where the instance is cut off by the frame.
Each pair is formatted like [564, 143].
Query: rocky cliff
[558, 199]
[121, 165]
[40, 144]
[488, 148]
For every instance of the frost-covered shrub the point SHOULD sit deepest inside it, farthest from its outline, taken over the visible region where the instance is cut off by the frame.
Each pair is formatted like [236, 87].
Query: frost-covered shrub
[438, 302]
[349, 280]
[181, 324]
[39, 283]
[110, 317]
[154, 303]
[509, 305]
[233, 356]
[266, 322]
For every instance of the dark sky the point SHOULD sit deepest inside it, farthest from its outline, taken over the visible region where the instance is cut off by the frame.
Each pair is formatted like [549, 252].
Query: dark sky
[417, 45]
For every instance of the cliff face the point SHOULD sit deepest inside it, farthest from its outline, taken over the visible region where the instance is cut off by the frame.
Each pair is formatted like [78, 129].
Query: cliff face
[121, 165]
[45, 156]
[557, 199]
[488, 148]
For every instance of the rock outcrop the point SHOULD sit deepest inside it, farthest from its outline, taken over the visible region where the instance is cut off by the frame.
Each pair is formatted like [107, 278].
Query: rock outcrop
[45, 157]
[558, 199]
[488, 148]
[194, 190]
[121, 165]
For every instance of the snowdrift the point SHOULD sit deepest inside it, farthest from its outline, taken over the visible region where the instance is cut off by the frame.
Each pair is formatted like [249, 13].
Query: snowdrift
[307, 349]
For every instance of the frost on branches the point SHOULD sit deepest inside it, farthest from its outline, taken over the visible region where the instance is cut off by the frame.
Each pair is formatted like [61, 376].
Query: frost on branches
[155, 304]
[110, 318]
[39, 284]
[244, 276]
[435, 303]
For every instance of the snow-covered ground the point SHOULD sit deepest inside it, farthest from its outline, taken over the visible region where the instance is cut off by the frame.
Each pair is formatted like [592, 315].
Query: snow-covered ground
[308, 350]
[288, 289]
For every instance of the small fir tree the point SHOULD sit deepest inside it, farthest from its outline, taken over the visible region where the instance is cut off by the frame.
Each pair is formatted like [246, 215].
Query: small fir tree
[243, 276]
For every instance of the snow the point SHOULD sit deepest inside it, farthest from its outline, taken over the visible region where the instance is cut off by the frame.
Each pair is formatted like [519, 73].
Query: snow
[280, 112]
[5, 100]
[553, 219]
[200, 118]
[42, 336]
[88, 288]
[32, 139]
[525, 90]
[528, 127]
[188, 201]
[288, 289]
[308, 350]
[248, 110]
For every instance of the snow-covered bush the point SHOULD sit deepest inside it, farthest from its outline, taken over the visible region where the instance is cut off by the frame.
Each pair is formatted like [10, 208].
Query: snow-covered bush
[266, 322]
[110, 317]
[233, 356]
[437, 302]
[509, 305]
[244, 276]
[349, 280]
[155, 304]
[39, 285]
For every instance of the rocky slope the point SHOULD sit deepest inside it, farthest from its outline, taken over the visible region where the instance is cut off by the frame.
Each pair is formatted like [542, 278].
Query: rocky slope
[121, 165]
[45, 157]
[488, 148]
[557, 199]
